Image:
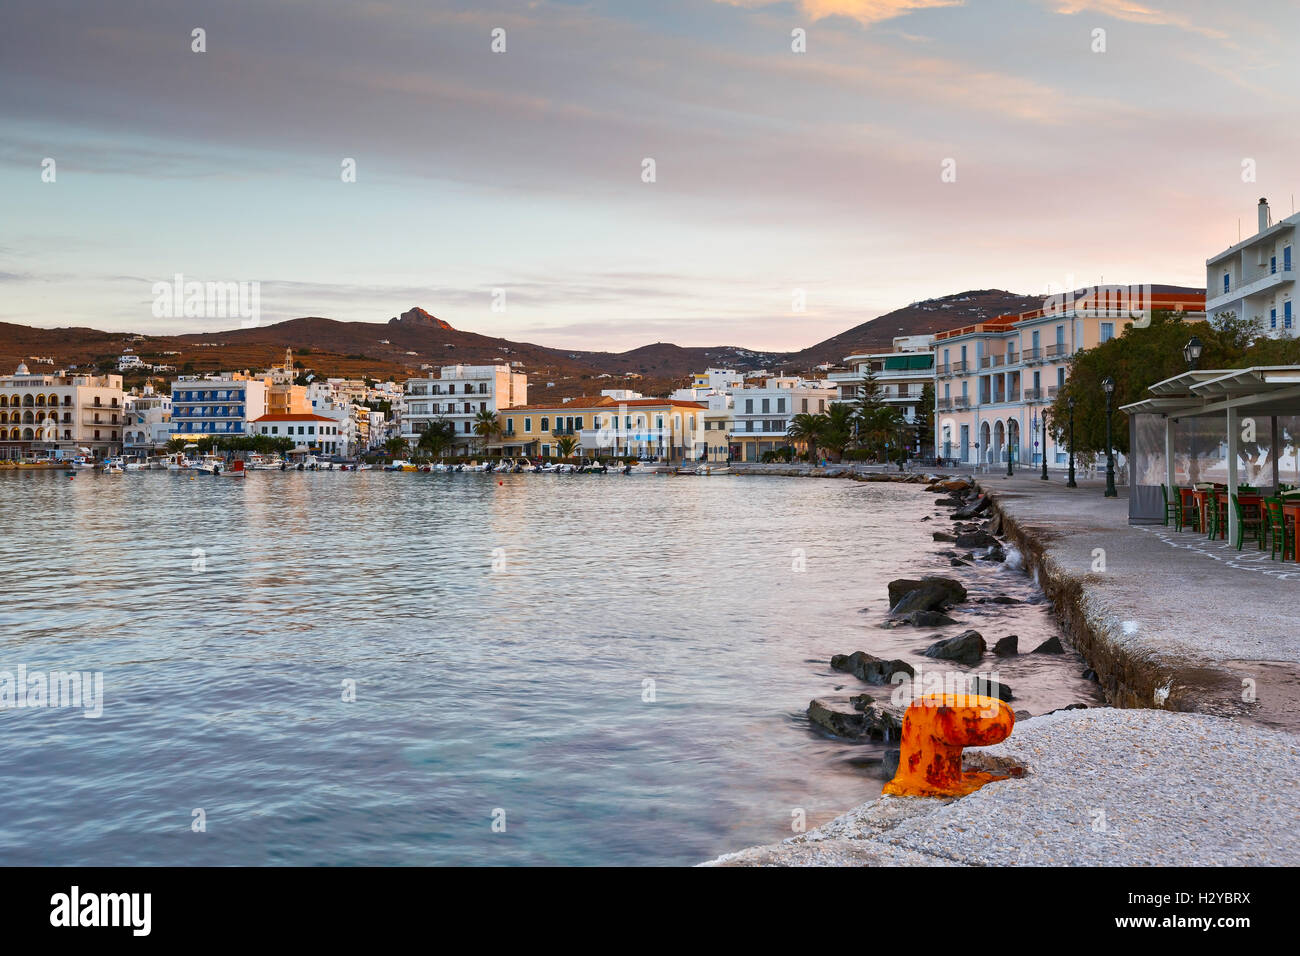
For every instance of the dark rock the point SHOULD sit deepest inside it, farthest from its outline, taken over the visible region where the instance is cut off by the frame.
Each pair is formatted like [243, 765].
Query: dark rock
[875, 721]
[1007, 647]
[929, 619]
[995, 524]
[1023, 715]
[966, 648]
[957, 564]
[1070, 707]
[943, 536]
[840, 722]
[925, 517]
[1050, 646]
[955, 484]
[889, 762]
[873, 670]
[990, 688]
[1004, 599]
[995, 554]
[948, 502]
[1090, 674]
[860, 701]
[976, 539]
[932, 593]
[974, 508]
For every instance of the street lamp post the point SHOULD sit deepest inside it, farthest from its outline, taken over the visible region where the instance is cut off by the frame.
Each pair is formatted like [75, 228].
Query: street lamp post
[1192, 356]
[1043, 415]
[1010, 472]
[1070, 482]
[1108, 386]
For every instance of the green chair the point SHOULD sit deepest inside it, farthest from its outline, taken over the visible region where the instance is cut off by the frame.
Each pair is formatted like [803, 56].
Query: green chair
[1189, 516]
[1173, 504]
[1280, 539]
[1251, 521]
[1213, 526]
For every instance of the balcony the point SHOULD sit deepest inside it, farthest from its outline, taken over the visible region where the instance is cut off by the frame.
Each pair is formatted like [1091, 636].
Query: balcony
[1052, 392]
[1255, 286]
[1033, 355]
[1055, 351]
[992, 361]
[945, 404]
[1033, 394]
[961, 402]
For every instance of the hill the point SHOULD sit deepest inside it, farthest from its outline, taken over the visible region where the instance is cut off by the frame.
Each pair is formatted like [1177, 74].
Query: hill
[416, 340]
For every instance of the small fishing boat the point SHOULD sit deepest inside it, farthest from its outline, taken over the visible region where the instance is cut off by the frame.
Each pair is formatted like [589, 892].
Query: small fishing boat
[234, 470]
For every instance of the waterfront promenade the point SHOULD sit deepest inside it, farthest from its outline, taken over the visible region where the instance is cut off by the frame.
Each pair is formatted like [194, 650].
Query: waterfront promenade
[1167, 619]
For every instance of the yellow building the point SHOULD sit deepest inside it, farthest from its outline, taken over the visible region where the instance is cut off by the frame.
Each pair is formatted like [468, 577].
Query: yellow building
[661, 428]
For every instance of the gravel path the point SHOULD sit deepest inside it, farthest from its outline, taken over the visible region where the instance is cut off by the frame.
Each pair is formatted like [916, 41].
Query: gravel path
[1104, 787]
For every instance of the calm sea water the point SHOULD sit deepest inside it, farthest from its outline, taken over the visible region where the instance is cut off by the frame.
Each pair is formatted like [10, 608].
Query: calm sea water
[500, 632]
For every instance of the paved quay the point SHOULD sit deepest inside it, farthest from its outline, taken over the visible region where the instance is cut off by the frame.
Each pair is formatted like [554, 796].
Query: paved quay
[1103, 787]
[1167, 619]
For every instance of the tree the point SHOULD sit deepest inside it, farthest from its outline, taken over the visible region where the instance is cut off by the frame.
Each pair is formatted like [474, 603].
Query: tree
[1136, 360]
[924, 424]
[395, 446]
[438, 437]
[564, 445]
[486, 426]
[808, 430]
[840, 425]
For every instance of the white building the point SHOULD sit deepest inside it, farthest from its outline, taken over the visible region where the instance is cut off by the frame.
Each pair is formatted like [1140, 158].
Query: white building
[761, 415]
[128, 361]
[458, 395]
[901, 374]
[60, 412]
[316, 434]
[148, 421]
[1255, 279]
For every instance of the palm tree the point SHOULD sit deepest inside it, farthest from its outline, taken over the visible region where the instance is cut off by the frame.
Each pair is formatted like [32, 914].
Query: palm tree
[809, 430]
[840, 422]
[564, 445]
[438, 437]
[486, 426]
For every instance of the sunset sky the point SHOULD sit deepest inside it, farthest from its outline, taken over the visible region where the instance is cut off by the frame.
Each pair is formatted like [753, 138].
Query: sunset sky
[522, 170]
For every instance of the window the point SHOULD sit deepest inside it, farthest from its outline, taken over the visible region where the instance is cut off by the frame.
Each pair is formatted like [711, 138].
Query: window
[1226, 282]
[482, 388]
[545, 423]
[1107, 331]
[577, 423]
[528, 424]
[1272, 318]
[767, 405]
[1272, 265]
[467, 428]
[451, 389]
[1286, 259]
[749, 406]
[1060, 377]
[1286, 314]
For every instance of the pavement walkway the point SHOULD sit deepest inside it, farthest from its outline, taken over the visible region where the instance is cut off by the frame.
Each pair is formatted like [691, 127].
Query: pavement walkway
[1195, 623]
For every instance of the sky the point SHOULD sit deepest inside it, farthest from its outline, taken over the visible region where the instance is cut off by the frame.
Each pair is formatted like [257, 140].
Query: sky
[910, 149]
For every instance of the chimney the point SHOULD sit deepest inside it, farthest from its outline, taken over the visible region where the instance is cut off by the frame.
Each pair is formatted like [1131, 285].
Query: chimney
[1264, 218]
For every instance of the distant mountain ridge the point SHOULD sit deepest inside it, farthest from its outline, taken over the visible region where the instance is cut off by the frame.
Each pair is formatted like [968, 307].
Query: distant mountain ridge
[399, 347]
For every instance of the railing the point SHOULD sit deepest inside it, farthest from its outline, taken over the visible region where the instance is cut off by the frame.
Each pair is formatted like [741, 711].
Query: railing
[1033, 394]
[1052, 391]
[962, 402]
[1055, 351]
[945, 404]
[1033, 354]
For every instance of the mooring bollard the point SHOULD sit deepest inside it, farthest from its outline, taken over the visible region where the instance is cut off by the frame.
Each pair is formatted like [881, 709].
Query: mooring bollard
[935, 729]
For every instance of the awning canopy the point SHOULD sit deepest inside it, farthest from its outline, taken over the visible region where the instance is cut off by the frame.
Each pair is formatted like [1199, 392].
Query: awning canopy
[1266, 390]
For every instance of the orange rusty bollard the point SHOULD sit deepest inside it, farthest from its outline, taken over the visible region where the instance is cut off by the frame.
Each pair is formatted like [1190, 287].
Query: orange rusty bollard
[935, 729]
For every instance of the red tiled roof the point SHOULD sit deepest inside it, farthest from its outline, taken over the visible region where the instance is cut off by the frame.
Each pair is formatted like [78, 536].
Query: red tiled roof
[295, 418]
